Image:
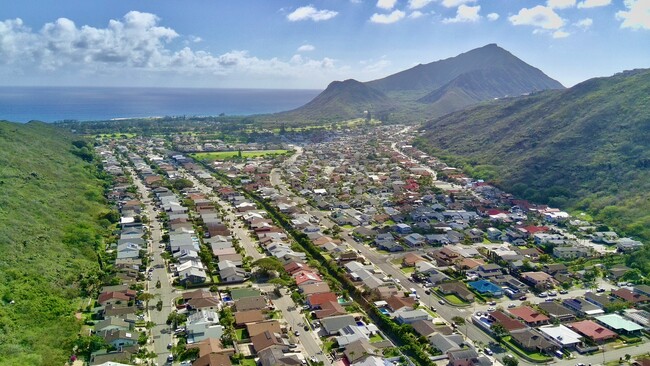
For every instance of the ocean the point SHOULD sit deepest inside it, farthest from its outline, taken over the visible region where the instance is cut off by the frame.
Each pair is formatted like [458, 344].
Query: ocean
[51, 104]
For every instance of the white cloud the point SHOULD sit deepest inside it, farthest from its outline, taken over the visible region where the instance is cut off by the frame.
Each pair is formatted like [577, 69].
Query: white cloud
[539, 16]
[561, 4]
[584, 23]
[374, 67]
[593, 3]
[386, 4]
[311, 13]
[306, 48]
[419, 4]
[560, 34]
[465, 14]
[492, 16]
[393, 17]
[416, 14]
[637, 15]
[137, 47]
[455, 3]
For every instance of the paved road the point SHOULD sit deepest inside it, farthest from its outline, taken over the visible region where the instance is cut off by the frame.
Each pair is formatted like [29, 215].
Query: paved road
[310, 341]
[165, 292]
[237, 226]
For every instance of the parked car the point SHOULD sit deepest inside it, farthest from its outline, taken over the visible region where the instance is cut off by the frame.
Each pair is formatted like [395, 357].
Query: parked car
[491, 309]
[564, 292]
[441, 302]
[600, 290]
[427, 292]
[170, 358]
[169, 346]
[542, 294]
[492, 303]
[434, 309]
[296, 333]
[512, 305]
[306, 328]
[488, 352]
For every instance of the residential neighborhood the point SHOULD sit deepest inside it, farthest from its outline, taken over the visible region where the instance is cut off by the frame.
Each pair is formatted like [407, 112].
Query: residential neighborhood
[346, 250]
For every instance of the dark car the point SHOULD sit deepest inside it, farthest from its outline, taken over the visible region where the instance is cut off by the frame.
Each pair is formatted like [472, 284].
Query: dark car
[306, 328]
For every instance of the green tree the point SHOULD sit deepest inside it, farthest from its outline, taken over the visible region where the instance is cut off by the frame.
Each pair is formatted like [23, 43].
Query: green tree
[146, 297]
[458, 320]
[499, 331]
[510, 360]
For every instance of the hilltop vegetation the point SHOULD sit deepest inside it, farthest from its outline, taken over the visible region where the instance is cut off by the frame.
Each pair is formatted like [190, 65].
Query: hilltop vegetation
[50, 207]
[581, 148]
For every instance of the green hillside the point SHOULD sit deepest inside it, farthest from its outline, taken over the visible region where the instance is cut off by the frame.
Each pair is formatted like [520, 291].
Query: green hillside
[49, 209]
[581, 148]
[342, 100]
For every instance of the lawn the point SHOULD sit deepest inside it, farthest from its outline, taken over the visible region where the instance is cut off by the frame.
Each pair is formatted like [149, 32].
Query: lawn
[376, 338]
[454, 299]
[226, 155]
[328, 345]
[241, 334]
[408, 270]
[248, 362]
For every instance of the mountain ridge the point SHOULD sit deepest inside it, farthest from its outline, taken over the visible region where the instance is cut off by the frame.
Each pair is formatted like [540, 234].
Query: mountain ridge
[427, 90]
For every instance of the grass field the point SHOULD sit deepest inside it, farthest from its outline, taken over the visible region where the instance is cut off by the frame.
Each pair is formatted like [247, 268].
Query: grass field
[376, 338]
[227, 155]
[241, 333]
[454, 299]
[408, 270]
[248, 362]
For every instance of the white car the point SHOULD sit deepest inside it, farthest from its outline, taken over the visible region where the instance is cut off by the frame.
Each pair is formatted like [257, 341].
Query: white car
[491, 309]
[512, 305]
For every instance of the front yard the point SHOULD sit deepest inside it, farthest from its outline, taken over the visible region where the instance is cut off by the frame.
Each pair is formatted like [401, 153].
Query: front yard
[453, 299]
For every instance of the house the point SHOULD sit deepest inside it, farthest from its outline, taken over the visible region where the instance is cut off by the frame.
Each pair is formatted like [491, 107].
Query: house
[251, 303]
[387, 290]
[561, 335]
[529, 316]
[445, 257]
[212, 345]
[424, 328]
[485, 287]
[272, 326]
[266, 340]
[446, 343]
[410, 259]
[642, 289]
[352, 333]
[601, 301]
[465, 357]
[457, 288]
[112, 323]
[631, 297]
[249, 316]
[316, 300]
[414, 240]
[507, 322]
[306, 278]
[627, 245]
[640, 317]
[619, 324]
[403, 229]
[582, 307]
[113, 298]
[332, 325]
[329, 308]
[556, 311]
[213, 359]
[532, 341]
[571, 252]
[593, 331]
[233, 275]
[359, 350]
[203, 325]
[275, 357]
[119, 339]
[541, 280]
[315, 288]
[396, 303]
[409, 316]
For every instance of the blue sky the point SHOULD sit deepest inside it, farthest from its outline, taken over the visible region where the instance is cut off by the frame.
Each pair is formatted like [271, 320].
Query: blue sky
[305, 44]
